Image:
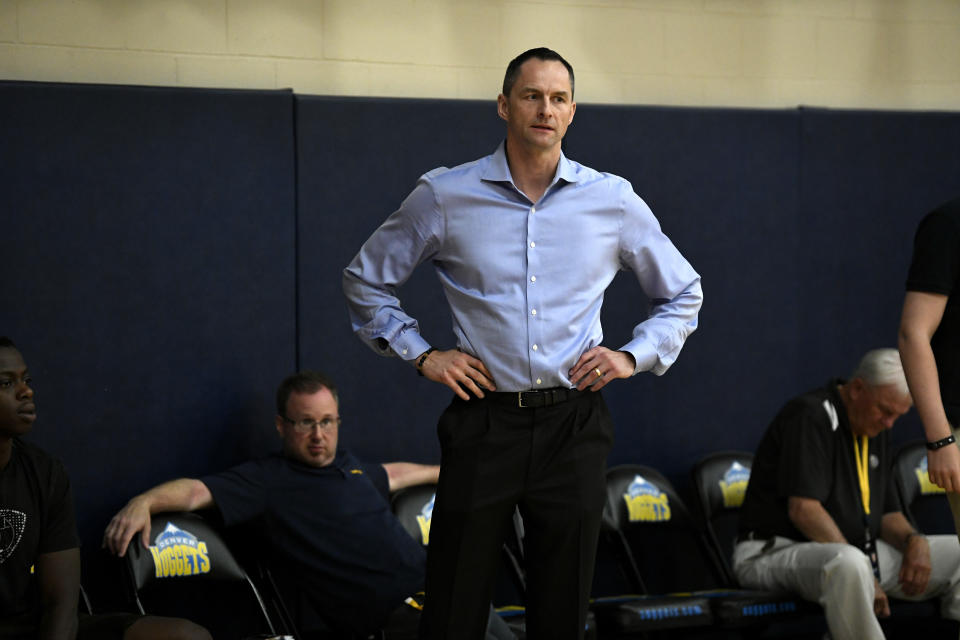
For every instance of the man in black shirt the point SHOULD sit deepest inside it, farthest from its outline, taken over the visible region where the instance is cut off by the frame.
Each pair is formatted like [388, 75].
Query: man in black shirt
[930, 342]
[39, 547]
[821, 515]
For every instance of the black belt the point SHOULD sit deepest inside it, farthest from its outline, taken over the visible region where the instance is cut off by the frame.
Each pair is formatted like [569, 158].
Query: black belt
[752, 535]
[533, 399]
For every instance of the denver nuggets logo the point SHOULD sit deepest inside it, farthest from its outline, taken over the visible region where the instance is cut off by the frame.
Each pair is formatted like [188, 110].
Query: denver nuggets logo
[426, 515]
[923, 477]
[733, 485]
[179, 553]
[645, 502]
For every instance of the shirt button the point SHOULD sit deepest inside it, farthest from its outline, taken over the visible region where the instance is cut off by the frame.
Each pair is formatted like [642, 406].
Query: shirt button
[533, 278]
[539, 381]
[533, 312]
[533, 209]
[533, 244]
[535, 347]
[404, 352]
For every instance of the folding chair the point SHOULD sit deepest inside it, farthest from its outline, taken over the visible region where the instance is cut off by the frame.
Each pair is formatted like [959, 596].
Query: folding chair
[668, 552]
[188, 571]
[923, 502]
[625, 604]
[720, 483]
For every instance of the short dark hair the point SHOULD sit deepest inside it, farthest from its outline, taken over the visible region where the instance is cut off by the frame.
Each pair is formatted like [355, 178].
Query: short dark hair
[6, 343]
[303, 382]
[540, 53]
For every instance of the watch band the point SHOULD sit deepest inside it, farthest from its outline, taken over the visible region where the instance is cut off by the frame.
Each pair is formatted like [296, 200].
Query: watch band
[942, 442]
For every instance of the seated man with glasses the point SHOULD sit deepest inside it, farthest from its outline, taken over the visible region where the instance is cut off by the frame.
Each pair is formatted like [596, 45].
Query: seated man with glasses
[321, 516]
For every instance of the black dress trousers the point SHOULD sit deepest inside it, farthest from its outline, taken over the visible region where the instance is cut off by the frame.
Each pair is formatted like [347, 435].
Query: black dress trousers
[549, 461]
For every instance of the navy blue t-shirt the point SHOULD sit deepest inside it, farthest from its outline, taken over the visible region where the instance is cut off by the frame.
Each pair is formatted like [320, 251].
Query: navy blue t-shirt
[330, 530]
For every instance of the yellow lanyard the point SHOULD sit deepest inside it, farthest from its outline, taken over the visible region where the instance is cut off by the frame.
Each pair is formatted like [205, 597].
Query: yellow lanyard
[863, 470]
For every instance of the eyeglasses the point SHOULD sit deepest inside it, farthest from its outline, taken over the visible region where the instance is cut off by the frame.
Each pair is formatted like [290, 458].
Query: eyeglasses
[307, 425]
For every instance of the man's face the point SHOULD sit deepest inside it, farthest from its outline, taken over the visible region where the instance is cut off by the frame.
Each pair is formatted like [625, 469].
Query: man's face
[17, 409]
[316, 446]
[540, 106]
[874, 409]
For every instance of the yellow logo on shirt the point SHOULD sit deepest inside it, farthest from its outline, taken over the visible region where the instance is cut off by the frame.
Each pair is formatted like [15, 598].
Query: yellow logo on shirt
[424, 519]
[923, 477]
[733, 485]
[178, 553]
[645, 502]
[356, 472]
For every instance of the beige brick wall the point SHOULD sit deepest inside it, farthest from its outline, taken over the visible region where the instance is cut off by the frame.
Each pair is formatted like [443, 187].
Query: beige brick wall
[752, 53]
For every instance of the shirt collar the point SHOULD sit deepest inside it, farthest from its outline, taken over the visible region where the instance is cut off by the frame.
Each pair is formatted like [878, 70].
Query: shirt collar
[498, 170]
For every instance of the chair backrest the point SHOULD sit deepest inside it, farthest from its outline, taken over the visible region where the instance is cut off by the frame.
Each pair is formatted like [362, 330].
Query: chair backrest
[666, 545]
[720, 482]
[189, 571]
[924, 503]
[413, 507]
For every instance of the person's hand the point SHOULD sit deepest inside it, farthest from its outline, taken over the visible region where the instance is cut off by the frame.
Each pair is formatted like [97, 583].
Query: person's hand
[943, 466]
[133, 518]
[881, 606]
[458, 371]
[915, 569]
[600, 365]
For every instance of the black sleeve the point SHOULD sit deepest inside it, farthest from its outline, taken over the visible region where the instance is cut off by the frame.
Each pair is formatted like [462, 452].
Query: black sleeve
[806, 459]
[60, 528]
[935, 267]
[240, 492]
[378, 476]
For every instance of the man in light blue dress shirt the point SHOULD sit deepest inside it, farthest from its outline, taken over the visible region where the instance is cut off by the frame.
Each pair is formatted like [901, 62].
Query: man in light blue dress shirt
[525, 242]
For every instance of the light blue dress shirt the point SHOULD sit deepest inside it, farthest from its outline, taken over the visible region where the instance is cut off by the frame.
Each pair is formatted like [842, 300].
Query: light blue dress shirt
[524, 281]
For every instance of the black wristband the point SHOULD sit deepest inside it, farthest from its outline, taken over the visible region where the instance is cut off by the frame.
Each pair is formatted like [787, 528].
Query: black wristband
[422, 359]
[942, 442]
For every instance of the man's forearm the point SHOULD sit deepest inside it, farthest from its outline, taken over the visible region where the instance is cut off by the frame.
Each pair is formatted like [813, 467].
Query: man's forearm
[58, 622]
[920, 367]
[813, 521]
[408, 474]
[183, 494]
[58, 581]
[896, 530]
[922, 314]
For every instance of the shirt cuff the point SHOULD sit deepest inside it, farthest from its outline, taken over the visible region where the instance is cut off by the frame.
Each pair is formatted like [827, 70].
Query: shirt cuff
[409, 345]
[645, 355]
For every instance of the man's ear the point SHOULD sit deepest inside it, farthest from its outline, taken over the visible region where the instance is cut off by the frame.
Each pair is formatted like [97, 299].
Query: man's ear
[278, 421]
[502, 106]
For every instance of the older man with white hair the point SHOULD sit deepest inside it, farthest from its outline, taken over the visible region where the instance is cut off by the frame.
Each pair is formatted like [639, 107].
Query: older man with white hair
[821, 516]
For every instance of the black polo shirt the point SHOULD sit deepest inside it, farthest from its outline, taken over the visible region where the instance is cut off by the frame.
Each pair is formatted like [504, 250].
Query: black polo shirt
[936, 269]
[808, 452]
[328, 529]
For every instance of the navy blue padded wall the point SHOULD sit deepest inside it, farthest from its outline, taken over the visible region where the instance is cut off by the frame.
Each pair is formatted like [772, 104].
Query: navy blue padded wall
[723, 184]
[149, 251]
[867, 179]
[357, 160]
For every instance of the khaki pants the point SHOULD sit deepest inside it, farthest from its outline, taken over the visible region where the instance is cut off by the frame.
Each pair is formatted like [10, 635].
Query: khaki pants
[840, 578]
